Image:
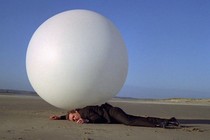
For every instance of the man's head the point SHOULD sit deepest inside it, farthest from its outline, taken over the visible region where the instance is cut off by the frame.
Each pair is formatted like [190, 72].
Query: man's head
[73, 115]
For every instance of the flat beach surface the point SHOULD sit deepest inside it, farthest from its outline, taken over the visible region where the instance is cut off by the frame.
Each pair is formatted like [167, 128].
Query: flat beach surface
[25, 117]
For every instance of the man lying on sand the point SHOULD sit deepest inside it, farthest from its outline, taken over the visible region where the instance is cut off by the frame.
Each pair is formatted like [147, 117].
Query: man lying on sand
[106, 113]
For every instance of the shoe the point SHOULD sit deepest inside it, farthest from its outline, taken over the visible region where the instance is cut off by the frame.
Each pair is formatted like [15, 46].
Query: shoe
[173, 122]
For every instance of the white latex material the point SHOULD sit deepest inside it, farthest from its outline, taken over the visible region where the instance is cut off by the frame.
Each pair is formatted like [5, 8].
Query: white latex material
[76, 58]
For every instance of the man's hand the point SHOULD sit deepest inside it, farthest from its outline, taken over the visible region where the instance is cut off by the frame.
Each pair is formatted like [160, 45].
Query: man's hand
[81, 121]
[54, 117]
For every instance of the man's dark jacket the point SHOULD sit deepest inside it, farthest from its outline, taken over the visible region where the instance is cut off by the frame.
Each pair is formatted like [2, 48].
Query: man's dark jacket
[96, 114]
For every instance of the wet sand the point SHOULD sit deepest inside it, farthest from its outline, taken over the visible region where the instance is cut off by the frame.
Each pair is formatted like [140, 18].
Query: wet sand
[25, 117]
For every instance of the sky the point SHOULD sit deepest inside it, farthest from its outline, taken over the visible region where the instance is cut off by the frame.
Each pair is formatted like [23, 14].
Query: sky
[168, 42]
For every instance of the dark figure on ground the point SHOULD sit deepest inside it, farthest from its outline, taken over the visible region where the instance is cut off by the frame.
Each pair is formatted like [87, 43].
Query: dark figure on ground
[106, 113]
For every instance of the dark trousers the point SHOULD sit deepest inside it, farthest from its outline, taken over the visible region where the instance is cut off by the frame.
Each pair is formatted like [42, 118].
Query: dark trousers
[117, 115]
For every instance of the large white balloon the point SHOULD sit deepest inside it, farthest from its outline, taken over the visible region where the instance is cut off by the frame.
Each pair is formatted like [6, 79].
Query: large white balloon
[76, 58]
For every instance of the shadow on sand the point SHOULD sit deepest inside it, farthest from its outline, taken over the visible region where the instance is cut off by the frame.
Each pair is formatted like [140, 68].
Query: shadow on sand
[194, 121]
[187, 125]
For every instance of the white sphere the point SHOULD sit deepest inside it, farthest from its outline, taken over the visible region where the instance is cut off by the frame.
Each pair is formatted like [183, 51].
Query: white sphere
[76, 58]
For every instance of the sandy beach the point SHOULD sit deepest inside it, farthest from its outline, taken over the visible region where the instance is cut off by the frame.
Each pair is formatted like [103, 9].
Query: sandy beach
[27, 118]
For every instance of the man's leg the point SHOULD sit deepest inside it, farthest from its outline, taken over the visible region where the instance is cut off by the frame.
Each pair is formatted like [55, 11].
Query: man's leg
[120, 116]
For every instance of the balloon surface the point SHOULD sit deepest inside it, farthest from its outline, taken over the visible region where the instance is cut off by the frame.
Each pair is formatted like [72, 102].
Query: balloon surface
[76, 58]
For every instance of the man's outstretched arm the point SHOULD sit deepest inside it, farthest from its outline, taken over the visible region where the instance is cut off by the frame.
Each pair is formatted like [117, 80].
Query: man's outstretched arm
[55, 117]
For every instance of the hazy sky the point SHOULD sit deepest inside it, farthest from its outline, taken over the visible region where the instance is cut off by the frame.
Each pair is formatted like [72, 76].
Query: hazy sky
[168, 42]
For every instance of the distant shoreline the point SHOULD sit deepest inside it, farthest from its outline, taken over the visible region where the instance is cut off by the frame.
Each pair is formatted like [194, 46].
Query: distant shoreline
[16, 92]
[171, 101]
[24, 92]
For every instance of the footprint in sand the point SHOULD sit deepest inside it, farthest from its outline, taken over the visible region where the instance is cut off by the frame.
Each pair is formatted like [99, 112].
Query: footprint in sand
[194, 130]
